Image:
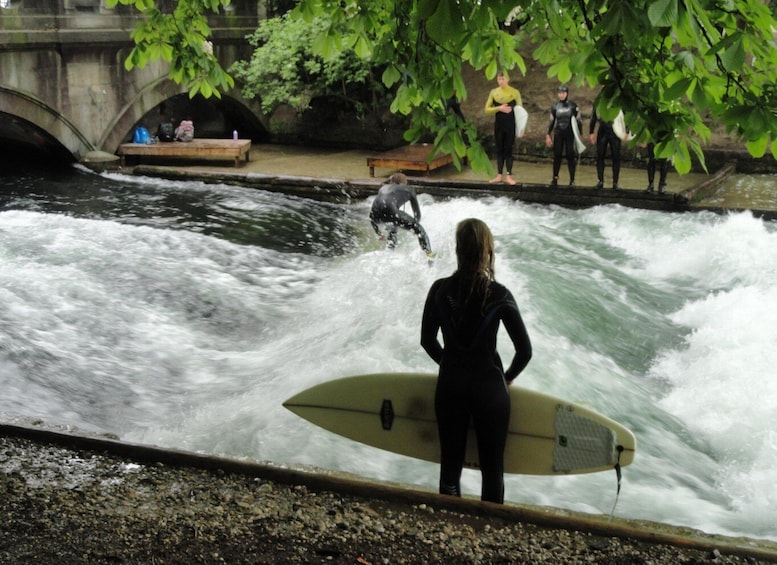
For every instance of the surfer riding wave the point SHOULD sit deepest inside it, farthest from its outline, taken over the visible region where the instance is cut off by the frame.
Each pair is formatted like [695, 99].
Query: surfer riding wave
[386, 209]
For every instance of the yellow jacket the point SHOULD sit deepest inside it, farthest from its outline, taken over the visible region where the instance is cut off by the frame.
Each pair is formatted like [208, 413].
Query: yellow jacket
[502, 95]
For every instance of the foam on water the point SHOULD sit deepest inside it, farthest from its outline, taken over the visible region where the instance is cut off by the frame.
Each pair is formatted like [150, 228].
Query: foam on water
[720, 379]
[132, 321]
[168, 330]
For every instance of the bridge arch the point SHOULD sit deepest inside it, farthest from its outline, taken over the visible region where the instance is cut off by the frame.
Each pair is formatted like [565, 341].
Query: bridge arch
[147, 98]
[63, 77]
[35, 111]
[234, 112]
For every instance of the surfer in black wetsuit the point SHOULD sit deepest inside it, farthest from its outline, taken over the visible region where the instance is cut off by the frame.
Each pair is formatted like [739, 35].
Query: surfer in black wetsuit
[472, 384]
[560, 135]
[386, 209]
[663, 168]
[452, 104]
[602, 137]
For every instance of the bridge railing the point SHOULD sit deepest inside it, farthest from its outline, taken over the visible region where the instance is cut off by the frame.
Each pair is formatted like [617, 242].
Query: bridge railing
[91, 21]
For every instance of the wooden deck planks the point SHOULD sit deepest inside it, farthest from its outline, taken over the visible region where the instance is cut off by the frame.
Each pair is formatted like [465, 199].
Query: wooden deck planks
[409, 158]
[203, 148]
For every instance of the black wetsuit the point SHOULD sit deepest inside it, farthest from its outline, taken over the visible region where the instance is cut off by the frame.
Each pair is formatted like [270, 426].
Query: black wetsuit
[560, 126]
[504, 137]
[472, 384]
[606, 136]
[651, 169]
[504, 124]
[386, 210]
[453, 104]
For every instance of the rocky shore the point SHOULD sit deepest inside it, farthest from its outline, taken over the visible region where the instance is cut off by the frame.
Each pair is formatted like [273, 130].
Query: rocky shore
[77, 500]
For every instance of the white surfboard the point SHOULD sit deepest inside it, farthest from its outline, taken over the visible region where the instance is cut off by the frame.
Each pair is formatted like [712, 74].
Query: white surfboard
[521, 119]
[619, 128]
[395, 412]
[579, 145]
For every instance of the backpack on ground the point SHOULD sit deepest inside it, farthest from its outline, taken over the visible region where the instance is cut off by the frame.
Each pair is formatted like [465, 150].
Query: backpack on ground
[141, 135]
[166, 131]
[185, 131]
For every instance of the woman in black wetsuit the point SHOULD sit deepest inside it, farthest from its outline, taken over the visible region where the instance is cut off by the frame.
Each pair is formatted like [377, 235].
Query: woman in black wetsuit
[472, 384]
[560, 135]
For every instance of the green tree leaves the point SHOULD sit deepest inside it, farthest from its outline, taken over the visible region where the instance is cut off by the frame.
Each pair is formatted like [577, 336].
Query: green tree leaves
[673, 66]
[296, 60]
[421, 47]
[181, 39]
[663, 13]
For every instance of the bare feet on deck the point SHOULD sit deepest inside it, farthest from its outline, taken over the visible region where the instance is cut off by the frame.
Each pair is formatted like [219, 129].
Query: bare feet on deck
[510, 180]
[497, 178]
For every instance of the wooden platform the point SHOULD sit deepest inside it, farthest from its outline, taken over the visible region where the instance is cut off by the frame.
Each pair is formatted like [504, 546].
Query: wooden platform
[210, 149]
[409, 158]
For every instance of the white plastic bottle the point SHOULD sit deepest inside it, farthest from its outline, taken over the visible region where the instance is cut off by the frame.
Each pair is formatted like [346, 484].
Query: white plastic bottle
[234, 135]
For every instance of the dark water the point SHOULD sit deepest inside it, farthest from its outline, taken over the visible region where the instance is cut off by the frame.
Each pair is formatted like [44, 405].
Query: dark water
[275, 222]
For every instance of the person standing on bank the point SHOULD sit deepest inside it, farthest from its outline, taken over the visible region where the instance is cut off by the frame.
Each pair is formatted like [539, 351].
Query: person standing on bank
[386, 209]
[602, 137]
[663, 168]
[500, 104]
[560, 134]
[472, 385]
[452, 104]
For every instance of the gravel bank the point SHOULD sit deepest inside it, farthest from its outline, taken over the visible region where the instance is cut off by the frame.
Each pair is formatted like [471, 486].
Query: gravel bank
[68, 499]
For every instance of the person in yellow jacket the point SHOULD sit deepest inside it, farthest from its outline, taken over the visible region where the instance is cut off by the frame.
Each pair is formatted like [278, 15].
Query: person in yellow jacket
[500, 104]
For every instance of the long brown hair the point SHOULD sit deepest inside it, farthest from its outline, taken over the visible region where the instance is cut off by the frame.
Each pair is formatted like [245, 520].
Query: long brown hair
[475, 254]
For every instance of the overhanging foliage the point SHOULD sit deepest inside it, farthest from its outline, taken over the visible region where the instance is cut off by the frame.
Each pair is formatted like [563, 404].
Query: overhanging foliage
[673, 66]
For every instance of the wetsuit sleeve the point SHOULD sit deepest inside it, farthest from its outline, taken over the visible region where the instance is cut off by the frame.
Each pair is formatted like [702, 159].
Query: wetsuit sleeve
[374, 212]
[416, 208]
[430, 327]
[511, 318]
[552, 121]
[491, 109]
[375, 226]
[593, 123]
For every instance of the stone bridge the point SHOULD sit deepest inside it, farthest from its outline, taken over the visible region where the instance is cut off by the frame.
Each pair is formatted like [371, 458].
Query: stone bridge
[64, 90]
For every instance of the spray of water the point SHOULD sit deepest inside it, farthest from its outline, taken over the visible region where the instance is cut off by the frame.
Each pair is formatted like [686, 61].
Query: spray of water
[184, 315]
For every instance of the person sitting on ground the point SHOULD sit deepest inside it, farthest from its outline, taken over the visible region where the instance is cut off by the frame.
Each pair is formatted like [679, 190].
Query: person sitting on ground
[386, 210]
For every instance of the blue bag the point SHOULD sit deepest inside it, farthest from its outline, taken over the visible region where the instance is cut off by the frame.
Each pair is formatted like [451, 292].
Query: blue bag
[141, 135]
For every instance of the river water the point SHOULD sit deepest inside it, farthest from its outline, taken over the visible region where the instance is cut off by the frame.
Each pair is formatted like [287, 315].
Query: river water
[182, 314]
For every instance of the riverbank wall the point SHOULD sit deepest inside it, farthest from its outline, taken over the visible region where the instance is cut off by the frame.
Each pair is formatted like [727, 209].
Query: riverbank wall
[689, 196]
[85, 447]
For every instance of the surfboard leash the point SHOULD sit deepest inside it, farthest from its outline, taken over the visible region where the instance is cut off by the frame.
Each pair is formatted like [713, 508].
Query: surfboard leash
[619, 477]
